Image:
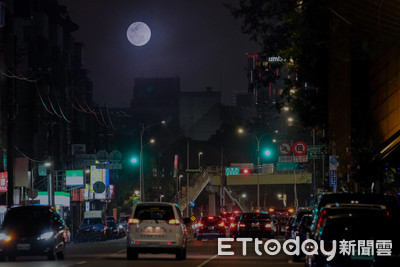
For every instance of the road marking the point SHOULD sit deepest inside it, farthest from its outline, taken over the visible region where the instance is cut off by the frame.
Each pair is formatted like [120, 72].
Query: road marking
[119, 252]
[205, 262]
[82, 262]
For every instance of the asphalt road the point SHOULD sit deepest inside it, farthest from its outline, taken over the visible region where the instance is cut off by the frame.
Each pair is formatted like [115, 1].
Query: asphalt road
[199, 253]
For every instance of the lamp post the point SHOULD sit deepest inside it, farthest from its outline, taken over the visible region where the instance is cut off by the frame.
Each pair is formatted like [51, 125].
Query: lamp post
[258, 139]
[141, 181]
[200, 153]
[242, 196]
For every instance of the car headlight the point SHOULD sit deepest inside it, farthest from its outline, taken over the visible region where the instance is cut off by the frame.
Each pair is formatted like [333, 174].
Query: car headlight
[120, 226]
[45, 236]
[4, 237]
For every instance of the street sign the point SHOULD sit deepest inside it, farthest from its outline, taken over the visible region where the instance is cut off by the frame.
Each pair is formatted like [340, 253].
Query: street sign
[332, 178]
[112, 166]
[299, 148]
[314, 151]
[285, 159]
[192, 204]
[300, 158]
[99, 187]
[232, 171]
[287, 166]
[285, 148]
[333, 163]
[193, 218]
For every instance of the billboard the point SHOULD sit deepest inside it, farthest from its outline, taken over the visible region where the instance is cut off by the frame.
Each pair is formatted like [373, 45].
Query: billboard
[98, 175]
[3, 181]
[60, 198]
[74, 178]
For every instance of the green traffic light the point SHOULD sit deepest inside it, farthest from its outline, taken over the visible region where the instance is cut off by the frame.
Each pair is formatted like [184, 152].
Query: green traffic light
[267, 153]
[134, 160]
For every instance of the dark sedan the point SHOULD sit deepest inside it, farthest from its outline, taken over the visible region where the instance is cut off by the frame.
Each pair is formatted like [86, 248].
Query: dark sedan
[257, 224]
[211, 226]
[32, 230]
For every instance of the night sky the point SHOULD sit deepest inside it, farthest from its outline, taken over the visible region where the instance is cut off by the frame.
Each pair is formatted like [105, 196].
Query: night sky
[197, 40]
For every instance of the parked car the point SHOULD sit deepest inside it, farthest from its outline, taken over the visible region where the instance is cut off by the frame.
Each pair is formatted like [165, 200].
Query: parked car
[209, 227]
[93, 226]
[256, 224]
[32, 230]
[156, 227]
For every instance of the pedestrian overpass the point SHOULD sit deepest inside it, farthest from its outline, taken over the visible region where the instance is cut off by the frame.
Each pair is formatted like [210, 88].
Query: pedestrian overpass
[210, 178]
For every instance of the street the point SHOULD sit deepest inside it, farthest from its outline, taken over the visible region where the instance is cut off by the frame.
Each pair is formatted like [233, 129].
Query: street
[199, 253]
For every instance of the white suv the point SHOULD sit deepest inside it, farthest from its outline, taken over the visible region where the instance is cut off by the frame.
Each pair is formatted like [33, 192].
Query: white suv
[156, 227]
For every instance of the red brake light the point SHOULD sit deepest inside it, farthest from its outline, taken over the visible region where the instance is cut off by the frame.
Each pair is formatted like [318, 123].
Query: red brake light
[257, 210]
[222, 224]
[267, 225]
[210, 217]
[242, 225]
[174, 221]
[231, 218]
[271, 210]
[200, 224]
[133, 221]
[224, 212]
[236, 212]
[233, 224]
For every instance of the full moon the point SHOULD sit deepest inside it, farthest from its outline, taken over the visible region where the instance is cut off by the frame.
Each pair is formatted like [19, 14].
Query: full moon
[138, 33]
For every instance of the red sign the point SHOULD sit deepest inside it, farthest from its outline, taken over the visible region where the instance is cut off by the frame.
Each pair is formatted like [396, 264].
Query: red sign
[300, 148]
[3, 181]
[285, 148]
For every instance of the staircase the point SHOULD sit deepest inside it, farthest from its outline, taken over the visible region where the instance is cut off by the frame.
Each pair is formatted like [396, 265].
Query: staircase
[196, 185]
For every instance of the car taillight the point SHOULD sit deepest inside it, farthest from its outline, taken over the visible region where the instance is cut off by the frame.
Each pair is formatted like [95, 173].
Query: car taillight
[133, 221]
[233, 224]
[231, 218]
[174, 221]
[210, 217]
[242, 225]
[200, 225]
[222, 224]
[267, 225]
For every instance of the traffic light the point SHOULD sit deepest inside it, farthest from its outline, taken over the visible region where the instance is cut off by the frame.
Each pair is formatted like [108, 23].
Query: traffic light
[134, 160]
[246, 171]
[268, 152]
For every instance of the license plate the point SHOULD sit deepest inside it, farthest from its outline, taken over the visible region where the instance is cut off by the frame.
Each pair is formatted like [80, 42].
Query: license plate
[254, 224]
[211, 228]
[154, 230]
[153, 244]
[23, 246]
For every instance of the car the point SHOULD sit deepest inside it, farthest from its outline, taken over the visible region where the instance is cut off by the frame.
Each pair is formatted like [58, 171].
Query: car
[209, 227]
[352, 198]
[32, 231]
[296, 221]
[256, 224]
[357, 222]
[233, 227]
[156, 227]
[303, 231]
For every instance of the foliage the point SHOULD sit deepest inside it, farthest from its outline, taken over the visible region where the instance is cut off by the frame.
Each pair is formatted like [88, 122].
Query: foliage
[295, 30]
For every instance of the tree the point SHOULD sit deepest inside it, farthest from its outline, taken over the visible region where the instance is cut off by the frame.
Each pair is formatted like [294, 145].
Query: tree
[299, 32]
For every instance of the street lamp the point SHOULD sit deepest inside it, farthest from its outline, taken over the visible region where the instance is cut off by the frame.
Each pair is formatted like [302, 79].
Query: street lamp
[242, 196]
[200, 153]
[282, 197]
[141, 181]
[258, 139]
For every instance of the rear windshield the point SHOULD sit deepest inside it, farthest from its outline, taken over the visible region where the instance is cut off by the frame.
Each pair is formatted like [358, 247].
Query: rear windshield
[367, 227]
[92, 221]
[156, 212]
[262, 216]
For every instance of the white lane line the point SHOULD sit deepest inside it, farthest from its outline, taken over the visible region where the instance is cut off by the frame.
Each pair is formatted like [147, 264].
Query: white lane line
[205, 262]
[120, 252]
[81, 262]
